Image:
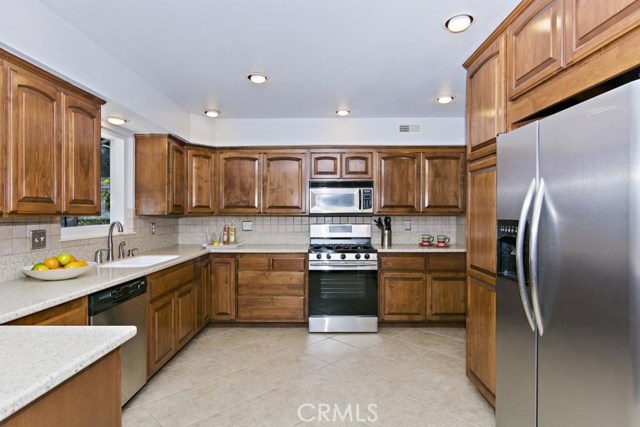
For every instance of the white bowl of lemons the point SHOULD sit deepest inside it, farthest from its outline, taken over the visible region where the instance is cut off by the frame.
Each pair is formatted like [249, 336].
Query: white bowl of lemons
[62, 267]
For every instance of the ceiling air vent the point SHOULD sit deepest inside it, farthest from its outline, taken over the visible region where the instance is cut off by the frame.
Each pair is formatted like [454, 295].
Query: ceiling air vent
[409, 128]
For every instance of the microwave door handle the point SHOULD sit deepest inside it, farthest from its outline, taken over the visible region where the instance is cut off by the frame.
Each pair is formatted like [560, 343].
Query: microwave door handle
[360, 199]
[522, 223]
[533, 254]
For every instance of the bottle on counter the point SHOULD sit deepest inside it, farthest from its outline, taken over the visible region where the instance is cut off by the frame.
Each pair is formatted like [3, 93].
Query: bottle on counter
[232, 233]
[225, 233]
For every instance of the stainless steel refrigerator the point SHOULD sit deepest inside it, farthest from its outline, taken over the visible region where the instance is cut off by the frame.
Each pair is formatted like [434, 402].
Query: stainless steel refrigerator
[568, 286]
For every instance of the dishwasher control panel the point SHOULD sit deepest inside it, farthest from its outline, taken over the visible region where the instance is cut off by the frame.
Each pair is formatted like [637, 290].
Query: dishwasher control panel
[107, 298]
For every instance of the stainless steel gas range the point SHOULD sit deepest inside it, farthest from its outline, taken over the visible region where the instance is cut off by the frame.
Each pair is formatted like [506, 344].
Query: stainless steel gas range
[343, 279]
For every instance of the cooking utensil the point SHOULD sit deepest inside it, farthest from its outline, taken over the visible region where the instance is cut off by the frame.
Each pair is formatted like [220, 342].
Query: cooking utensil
[387, 223]
[379, 223]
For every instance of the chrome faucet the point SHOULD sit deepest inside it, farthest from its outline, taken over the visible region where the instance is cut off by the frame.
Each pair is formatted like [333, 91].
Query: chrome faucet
[110, 256]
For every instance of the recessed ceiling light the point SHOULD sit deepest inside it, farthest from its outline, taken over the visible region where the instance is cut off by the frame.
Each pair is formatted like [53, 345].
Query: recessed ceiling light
[459, 23]
[257, 78]
[118, 121]
[212, 113]
[445, 99]
[343, 113]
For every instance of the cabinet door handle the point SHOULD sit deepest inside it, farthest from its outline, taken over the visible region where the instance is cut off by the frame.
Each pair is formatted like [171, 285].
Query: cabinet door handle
[533, 254]
[522, 223]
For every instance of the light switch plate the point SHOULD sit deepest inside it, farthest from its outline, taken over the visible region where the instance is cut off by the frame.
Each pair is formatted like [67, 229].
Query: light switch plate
[247, 226]
[407, 225]
[38, 239]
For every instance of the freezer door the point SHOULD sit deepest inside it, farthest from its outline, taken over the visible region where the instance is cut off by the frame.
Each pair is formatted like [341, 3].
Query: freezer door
[586, 363]
[515, 341]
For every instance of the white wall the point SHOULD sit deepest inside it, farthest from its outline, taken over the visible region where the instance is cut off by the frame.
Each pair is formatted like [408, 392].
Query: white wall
[341, 131]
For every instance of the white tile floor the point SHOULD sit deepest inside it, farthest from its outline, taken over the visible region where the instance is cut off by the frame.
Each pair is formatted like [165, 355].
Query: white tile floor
[245, 377]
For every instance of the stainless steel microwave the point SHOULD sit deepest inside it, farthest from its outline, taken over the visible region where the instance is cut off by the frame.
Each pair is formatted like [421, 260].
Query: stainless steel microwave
[340, 197]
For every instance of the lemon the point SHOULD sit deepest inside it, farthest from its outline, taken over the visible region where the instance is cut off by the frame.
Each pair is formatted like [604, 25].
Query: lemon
[39, 267]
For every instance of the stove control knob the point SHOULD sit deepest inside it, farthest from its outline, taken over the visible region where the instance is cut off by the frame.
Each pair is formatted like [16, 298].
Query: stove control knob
[367, 256]
[319, 256]
[328, 256]
[357, 256]
[342, 256]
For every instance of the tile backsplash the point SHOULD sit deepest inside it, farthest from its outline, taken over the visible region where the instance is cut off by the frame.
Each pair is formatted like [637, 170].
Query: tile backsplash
[15, 235]
[295, 229]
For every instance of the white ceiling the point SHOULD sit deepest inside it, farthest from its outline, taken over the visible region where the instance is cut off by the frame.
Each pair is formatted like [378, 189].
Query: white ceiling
[378, 58]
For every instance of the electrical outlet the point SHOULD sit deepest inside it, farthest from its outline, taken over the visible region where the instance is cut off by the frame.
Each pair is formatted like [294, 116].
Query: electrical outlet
[247, 225]
[153, 228]
[407, 225]
[38, 239]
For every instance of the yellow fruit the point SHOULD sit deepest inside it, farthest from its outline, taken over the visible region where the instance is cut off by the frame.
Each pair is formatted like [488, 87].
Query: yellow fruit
[73, 264]
[73, 258]
[64, 259]
[51, 263]
[82, 263]
[39, 267]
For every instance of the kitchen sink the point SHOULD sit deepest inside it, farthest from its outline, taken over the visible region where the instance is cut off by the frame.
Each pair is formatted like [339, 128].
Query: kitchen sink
[139, 261]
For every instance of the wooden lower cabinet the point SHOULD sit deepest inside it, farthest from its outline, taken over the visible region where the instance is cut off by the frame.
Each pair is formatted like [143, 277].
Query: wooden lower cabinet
[72, 313]
[91, 397]
[271, 309]
[203, 283]
[416, 287]
[223, 287]
[481, 337]
[172, 313]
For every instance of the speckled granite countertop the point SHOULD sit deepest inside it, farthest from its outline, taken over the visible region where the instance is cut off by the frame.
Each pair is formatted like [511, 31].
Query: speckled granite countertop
[421, 249]
[21, 297]
[35, 359]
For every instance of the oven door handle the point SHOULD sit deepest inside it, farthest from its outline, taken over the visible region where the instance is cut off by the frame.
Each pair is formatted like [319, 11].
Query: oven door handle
[351, 267]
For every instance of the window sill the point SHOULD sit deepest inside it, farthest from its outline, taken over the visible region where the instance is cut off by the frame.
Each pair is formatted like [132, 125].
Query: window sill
[94, 236]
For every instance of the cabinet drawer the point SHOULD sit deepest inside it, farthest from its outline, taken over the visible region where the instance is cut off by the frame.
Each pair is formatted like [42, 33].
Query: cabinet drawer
[253, 263]
[289, 264]
[170, 279]
[408, 263]
[284, 309]
[262, 283]
[72, 313]
[446, 262]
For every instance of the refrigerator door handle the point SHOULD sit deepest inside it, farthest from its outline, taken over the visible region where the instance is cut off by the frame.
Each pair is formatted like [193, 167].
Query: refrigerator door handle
[533, 254]
[522, 223]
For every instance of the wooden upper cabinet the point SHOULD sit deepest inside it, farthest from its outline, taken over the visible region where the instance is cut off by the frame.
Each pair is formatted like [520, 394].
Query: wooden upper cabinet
[342, 165]
[325, 165]
[397, 182]
[486, 95]
[201, 180]
[444, 177]
[4, 124]
[357, 165]
[81, 156]
[34, 146]
[161, 175]
[285, 183]
[590, 25]
[481, 219]
[240, 182]
[535, 45]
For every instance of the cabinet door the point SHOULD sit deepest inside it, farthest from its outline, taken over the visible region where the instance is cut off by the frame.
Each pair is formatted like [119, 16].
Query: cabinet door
[446, 296]
[592, 24]
[201, 181]
[161, 329]
[223, 289]
[535, 45]
[285, 183]
[486, 95]
[325, 165]
[4, 124]
[402, 296]
[443, 179]
[481, 337]
[357, 165]
[239, 176]
[34, 146]
[185, 314]
[482, 219]
[177, 178]
[203, 282]
[397, 182]
[82, 157]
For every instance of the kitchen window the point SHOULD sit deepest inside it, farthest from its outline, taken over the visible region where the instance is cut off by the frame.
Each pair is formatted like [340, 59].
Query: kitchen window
[112, 191]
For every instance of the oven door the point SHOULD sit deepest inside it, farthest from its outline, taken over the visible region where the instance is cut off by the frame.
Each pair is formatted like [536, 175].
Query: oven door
[334, 200]
[343, 291]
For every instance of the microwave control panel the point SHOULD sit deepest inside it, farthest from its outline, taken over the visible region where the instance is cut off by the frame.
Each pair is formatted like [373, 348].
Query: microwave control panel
[367, 198]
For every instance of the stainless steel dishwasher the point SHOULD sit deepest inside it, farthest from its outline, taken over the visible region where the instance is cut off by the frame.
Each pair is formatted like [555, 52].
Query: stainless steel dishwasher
[125, 304]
